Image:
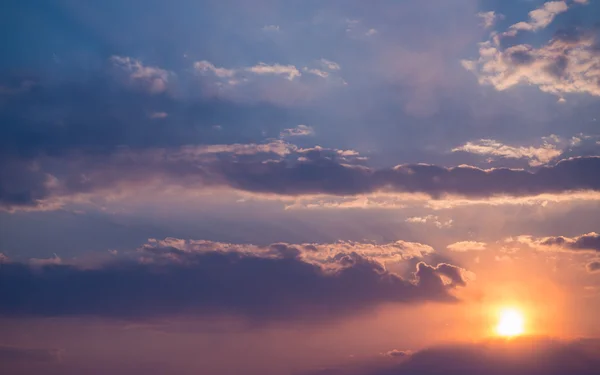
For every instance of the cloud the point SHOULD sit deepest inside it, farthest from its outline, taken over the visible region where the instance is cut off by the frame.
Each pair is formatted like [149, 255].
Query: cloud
[290, 71]
[321, 253]
[205, 66]
[331, 65]
[585, 243]
[537, 155]
[300, 130]
[543, 16]
[158, 115]
[489, 18]
[271, 28]
[430, 219]
[568, 63]
[521, 356]
[280, 169]
[397, 353]
[317, 72]
[274, 282]
[467, 246]
[150, 78]
[593, 267]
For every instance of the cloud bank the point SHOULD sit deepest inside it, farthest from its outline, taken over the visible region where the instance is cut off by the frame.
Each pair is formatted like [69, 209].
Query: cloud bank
[523, 356]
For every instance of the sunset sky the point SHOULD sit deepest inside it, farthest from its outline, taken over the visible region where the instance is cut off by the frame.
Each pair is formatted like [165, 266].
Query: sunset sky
[300, 187]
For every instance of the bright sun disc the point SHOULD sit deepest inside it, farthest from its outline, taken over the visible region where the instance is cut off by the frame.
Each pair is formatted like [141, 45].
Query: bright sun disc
[510, 324]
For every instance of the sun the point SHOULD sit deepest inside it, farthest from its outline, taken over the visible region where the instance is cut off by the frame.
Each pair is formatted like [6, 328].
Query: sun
[511, 323]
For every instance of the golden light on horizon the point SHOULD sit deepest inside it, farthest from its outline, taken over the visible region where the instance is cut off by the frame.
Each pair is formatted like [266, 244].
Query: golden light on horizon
[511, 323]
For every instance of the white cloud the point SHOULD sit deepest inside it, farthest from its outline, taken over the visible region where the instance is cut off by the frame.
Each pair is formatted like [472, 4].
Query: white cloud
[464, 246]
[542, 17]
[536, 155]
[489, 18]
[568, 63]
[276, 69]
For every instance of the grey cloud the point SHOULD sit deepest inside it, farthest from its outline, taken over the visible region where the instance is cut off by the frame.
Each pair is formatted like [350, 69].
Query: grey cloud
[276, 284]
[585, 243]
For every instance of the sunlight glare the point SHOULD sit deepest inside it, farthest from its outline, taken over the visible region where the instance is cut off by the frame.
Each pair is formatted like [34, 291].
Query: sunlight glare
[510, 323]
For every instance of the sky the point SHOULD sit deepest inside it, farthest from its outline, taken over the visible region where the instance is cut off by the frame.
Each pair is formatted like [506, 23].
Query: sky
[286, 187]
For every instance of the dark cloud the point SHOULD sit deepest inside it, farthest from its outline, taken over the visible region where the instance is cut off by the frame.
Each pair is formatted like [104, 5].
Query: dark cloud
[590, 241]
[395, 353]
[264, 171]
[525, 356]
[277, 283]
[593, 267]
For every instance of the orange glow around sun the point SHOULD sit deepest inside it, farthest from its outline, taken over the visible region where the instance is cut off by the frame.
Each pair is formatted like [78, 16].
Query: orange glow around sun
[511, 323]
